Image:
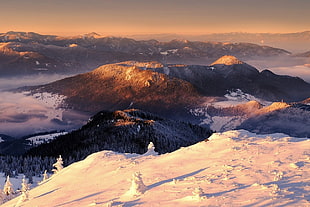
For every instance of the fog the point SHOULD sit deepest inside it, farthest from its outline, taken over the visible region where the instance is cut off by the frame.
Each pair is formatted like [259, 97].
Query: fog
[31, 80]
[22, 114]
[292, 66]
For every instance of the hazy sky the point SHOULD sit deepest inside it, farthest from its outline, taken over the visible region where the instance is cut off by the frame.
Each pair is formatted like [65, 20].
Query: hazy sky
[121, 17]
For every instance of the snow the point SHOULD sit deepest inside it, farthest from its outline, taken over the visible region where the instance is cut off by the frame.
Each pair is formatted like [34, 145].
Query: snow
[238, 97]
[222, 122]
[40, 139]
[172, 51]
[234, 168]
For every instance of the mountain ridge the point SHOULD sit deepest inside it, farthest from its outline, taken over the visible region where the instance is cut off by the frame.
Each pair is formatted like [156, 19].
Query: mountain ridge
[72, 55]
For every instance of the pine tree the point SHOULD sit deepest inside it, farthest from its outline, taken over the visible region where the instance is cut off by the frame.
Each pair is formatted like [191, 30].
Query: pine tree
[25, 189]
[58, 165]
[150, 150]
[45, 175]
[8, 187]
[137, 186]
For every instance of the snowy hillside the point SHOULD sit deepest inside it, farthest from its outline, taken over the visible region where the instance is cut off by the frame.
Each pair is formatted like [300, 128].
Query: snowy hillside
[234, 168]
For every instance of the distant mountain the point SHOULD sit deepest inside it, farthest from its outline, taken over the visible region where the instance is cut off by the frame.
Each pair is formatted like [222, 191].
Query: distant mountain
[18, 146]
[123, 131]
[30, 53]
[297, 41]
[305, 54]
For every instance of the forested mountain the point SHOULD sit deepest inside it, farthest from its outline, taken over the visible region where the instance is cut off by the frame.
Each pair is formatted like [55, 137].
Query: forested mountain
[123, 131]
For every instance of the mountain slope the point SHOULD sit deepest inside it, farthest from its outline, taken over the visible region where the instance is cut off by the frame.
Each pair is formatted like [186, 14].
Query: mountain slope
[235, 168]
[123, 131]
[114, 87]
[289, 119]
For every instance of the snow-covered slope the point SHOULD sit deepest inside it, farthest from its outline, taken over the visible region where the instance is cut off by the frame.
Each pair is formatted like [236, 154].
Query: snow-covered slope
[234, 168]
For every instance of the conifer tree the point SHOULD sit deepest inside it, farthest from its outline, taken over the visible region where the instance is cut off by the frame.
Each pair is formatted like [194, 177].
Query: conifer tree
[25, 189]
[8, 187]
[58, 165]
[137, 186]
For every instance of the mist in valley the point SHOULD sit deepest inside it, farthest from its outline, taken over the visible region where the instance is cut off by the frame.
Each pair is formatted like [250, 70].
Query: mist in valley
[22, 114]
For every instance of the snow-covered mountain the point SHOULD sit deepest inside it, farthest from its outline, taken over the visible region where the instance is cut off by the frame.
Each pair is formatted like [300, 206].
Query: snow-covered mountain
[234, 168]
[24, 53]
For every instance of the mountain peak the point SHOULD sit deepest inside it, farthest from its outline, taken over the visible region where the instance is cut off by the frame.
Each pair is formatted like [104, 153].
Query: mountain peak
[92, 35]
[228, 60]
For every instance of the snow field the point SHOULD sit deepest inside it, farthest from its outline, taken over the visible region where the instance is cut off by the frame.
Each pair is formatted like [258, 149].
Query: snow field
[234, 168]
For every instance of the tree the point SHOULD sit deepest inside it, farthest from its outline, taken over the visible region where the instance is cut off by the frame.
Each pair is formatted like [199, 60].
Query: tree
[58, 165]
[8, 187]
[45, 175]
[25, 189]
[150, 150]
[137, 186]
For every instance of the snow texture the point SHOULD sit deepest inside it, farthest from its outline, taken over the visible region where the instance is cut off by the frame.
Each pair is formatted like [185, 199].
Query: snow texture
[234, 168]
[40, 139]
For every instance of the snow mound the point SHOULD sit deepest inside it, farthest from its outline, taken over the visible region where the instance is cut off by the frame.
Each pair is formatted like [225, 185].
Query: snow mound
[234, 168]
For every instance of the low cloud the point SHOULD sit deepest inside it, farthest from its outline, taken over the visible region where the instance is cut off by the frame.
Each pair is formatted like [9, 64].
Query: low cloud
[21, 114]
[31, 80]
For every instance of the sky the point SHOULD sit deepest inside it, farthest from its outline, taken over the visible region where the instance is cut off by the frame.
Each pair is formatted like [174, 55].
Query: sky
[121, 17]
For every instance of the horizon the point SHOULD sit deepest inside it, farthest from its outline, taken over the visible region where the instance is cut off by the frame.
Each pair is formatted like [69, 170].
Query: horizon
[60, 34]
[121, 17]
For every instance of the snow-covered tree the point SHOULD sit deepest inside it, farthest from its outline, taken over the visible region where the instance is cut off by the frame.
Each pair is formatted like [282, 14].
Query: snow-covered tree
[137, 186]
[45, 176]
[151, 149]
[8, 187]
[58, 165]
[25, 189]
[198, 194]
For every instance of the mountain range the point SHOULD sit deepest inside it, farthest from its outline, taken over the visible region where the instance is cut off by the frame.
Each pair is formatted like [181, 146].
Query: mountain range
[25, 53]
[297, 41]
[196, 94]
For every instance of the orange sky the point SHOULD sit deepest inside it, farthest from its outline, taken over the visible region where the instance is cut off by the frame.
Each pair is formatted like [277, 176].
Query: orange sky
[121, 17]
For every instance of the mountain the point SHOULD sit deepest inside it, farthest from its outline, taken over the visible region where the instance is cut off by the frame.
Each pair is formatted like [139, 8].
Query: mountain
[229, 73]
[19, 146]
[296, 41]
[291, 119]
[305, 54]
[235, 113]
[116, 86]
[123, 131]
[235, 168]
[24, 53]
[189, 93]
